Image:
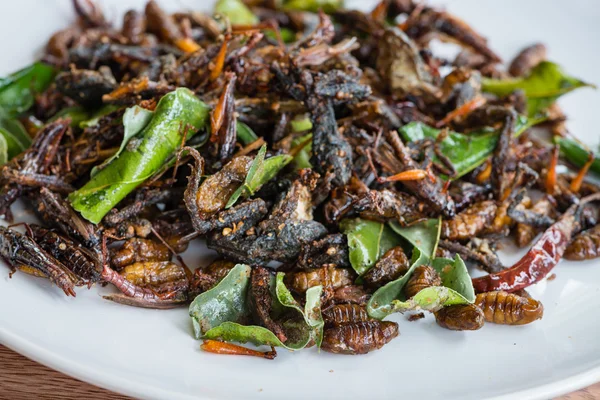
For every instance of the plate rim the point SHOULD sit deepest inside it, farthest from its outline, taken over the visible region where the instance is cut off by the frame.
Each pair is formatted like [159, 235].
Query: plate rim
[111, 381]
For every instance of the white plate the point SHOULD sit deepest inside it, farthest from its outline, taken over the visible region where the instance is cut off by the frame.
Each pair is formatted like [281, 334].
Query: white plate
[152, 354]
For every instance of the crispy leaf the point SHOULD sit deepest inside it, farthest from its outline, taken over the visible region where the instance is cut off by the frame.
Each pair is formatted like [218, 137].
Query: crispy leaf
[245, 134]
[577, 153]
[466, 152]
[237, 12]
[327, 6]
[367, 241]
[158, 141]
[261, 171]
[17, 90]
[226, 302]
[546, 83]
[135, 120]
[424, 235]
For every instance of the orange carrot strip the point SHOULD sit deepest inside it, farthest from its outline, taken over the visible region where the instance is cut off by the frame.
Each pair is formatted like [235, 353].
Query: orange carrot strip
[462, 111]
[551, 176]
[410, 175]
[219, 61]
[485, 174]
[576, 183]
[217, 347]
[187, 45]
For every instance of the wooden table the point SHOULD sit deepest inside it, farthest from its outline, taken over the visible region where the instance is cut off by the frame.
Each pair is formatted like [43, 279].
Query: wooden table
[21, 378]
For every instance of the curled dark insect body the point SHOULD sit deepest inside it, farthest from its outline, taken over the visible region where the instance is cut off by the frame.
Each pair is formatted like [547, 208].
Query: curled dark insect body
[463, 317]
[421, 278]
[392, 265]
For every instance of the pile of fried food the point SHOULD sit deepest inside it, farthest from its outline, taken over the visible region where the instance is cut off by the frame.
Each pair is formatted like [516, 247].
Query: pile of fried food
[341, 170]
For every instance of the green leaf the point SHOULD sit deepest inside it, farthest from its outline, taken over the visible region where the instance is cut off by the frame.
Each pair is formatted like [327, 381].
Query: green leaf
[455, 276]
[3, 150]
[234, 332]
[218, 313]
[327, 6]
[379, 305]
[135, 120]
[287, 35]
[577, 153]
[465, 152]
[245, 134]
[457, 289]
[302, 158]
[95, 118]
[77, 114]
[367, 242]
[15, 136]
[424, 236]
[225, 302]
[546, 83]
[301, 123]
[261, 171]
[311, 313]
[17, 90]
[158, 141]
[237, 12]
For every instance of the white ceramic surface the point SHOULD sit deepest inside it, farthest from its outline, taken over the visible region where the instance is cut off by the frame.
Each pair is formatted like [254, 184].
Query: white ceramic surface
[152, 354]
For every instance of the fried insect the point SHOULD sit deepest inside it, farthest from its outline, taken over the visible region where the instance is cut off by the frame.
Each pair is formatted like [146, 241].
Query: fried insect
[330, 250]
[36, 159]
[21, 252]
[340, 314]
[78, 259]
[470, 222]
[158, 276]
[329, 277]
[525, 233]
[86, 86]
[585, 246]
[261, 301]
[206, 199]
[137, 250]
[528, 58]
[359, 337]
[460, 317]
[351, 294]
[509, 308]
[206, 278]
[392, 265]
[422, 277]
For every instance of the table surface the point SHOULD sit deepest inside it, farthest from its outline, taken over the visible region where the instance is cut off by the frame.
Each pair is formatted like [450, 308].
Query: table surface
[21, 378]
